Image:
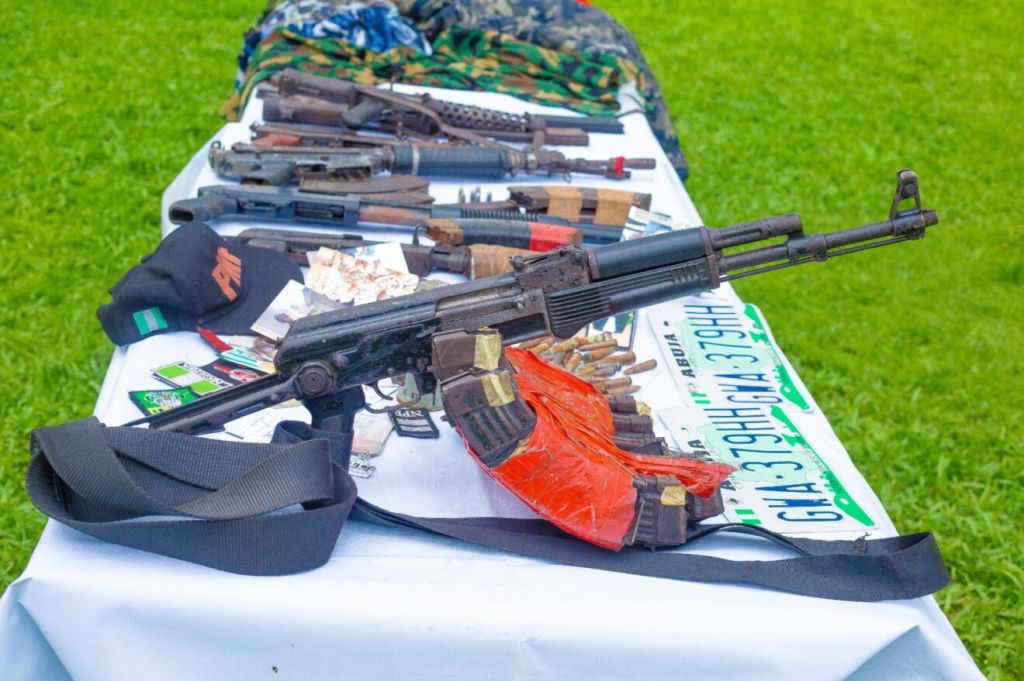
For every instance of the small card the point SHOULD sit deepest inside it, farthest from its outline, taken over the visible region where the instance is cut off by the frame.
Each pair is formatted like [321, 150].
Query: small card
[156, 401]
[371, 431]
[247, 359]
[642, 222]
[183, 374]
[231, 372]
[295, 301]
[360, 467]
[414, 423]
[255, 352]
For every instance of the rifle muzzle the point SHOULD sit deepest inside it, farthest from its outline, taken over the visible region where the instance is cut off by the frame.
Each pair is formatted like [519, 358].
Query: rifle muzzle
[902, 225]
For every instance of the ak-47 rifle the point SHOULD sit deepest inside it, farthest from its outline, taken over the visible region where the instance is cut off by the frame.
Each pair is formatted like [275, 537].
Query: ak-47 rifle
[449, 224]
[304, 98]
[325, 359]
[281, 164]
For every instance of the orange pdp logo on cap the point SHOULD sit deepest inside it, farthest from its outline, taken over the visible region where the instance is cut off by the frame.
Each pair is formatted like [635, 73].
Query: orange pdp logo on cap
[228, 270]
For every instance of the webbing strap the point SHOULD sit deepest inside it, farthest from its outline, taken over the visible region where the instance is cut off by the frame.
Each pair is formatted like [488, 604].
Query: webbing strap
[907, 566]
[205, 501]
[102, 481]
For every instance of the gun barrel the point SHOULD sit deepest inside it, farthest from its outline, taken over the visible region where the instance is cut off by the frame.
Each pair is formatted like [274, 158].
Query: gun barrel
[646, 271]
[758, 230]
[818, 247]
[688, 244]
[292, 82]
[616, 168]
[605, 124]
[639, 255]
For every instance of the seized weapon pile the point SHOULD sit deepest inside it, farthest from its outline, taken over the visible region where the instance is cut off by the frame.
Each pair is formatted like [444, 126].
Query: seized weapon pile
[555, 293]
[551, 419]
[554, 426]
[313, 124]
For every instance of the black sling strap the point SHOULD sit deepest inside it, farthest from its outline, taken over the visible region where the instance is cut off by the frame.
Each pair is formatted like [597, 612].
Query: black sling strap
[220, 496]
[205, 501]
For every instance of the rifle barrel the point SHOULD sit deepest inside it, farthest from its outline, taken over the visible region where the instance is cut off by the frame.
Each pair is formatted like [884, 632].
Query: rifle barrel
[599, 124]
[818, 247]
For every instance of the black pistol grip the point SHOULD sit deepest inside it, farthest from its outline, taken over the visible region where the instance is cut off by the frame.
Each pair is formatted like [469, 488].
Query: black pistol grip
[201, 209]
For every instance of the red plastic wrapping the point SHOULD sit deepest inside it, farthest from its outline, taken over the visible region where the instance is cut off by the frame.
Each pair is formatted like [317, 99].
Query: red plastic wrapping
[570, 472]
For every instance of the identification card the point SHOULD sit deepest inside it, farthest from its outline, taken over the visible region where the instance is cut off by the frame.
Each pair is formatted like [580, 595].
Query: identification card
[231, 372]
[414, 423]
[155, 401]
[183, 374]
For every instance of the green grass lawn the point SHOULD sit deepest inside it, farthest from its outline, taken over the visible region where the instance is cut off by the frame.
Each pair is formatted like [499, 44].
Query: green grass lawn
[915, 353]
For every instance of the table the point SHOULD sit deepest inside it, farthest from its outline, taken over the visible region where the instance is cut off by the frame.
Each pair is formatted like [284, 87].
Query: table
[398, 604]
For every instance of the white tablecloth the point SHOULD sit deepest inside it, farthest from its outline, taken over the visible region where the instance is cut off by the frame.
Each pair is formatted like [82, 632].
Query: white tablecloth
[400, 604]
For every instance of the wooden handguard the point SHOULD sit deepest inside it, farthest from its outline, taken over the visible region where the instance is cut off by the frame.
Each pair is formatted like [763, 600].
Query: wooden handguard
[489, 261]
[396, 188]
[580, 204]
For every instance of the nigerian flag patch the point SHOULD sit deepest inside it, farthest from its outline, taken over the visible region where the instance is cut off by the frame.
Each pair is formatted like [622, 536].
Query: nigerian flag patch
[149, 320]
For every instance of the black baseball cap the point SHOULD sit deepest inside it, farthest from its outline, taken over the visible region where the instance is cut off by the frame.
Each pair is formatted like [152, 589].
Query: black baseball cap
[195, 278]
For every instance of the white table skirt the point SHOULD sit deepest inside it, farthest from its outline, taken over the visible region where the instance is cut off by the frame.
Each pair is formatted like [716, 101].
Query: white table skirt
[400, 604]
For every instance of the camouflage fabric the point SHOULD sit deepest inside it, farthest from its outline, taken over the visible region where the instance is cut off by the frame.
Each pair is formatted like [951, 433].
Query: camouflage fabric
[556, 52]
[562, 25]
[468, 59]
[374, 25]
